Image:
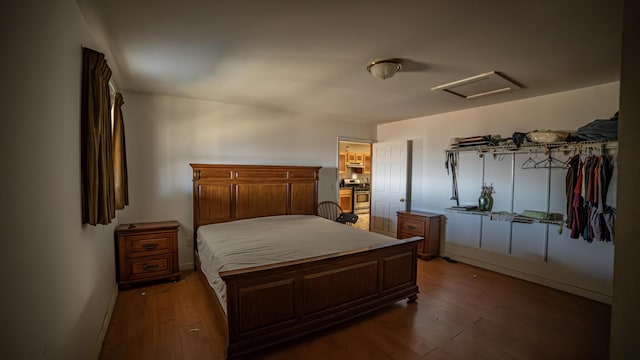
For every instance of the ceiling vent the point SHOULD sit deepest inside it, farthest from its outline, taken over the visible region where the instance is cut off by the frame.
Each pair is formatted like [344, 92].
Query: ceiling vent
[478, 86]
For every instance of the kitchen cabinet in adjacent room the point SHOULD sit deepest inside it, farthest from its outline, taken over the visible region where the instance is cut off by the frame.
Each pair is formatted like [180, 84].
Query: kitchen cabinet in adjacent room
[367, 164]
[345, 199]
[342, 163]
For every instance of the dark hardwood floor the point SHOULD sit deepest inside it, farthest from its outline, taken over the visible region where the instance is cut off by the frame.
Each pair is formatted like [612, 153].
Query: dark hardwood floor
[462, 312]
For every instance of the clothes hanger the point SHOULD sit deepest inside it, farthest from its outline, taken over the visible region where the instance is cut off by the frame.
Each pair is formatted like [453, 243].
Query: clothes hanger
[575, 152]
[550, 163]
[529, 163]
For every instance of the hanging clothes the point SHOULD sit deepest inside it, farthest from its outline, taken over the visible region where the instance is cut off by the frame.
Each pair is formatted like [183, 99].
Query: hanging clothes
[577, 225]
[590, 213]
[571, 180]
[612, 192]
[609, 214]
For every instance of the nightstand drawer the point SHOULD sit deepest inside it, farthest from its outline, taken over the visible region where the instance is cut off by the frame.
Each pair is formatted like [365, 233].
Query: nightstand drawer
[404, 235]
[150, 267]
[411, 226]
[149, 244]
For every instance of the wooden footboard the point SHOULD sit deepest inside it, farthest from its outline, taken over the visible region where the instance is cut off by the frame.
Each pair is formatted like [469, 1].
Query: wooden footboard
[267, 305]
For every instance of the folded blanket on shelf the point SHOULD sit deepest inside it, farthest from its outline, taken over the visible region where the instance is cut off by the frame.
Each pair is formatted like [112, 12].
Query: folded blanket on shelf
[503, 216]
[541, 215]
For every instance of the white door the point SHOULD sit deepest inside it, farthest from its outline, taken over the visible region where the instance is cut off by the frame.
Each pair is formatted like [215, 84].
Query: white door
[390, 176]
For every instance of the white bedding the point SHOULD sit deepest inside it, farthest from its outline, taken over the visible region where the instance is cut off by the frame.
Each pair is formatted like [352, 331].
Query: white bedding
[273, 239]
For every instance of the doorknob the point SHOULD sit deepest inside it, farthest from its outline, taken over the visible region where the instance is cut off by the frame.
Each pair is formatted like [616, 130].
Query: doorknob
[402, 200]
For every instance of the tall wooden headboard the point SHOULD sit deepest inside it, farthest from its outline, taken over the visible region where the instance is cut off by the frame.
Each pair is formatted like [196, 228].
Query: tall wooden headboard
[224, 193]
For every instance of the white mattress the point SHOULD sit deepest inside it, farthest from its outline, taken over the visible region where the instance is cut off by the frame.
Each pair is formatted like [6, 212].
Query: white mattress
[273, 239]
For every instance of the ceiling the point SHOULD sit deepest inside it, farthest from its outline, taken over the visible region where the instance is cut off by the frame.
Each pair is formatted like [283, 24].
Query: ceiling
[310, 57]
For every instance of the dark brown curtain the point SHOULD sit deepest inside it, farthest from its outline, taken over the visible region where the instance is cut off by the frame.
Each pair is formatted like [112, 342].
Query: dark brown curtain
[121, 181]
[98, 193]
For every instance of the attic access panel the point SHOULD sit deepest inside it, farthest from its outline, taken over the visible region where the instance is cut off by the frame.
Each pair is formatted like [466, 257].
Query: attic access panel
[480, 85]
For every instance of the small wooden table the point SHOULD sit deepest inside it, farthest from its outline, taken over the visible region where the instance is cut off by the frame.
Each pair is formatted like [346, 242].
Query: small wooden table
[147, 252]
[423, 224]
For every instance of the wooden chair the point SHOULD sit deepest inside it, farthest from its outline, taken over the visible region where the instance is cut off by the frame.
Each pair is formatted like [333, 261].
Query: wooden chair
[332, 211]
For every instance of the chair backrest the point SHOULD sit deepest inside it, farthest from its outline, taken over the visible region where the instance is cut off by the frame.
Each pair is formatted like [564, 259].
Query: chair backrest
[329, 210]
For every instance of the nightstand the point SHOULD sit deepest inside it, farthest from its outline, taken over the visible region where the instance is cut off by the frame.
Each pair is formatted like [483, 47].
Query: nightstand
[147, 252]
[423, 224]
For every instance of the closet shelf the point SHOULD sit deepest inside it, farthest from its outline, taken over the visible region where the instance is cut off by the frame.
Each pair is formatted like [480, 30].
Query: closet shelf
[516, 219]
[536, 147]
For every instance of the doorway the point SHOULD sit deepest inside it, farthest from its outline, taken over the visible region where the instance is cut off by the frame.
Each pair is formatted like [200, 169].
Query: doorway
[354, 179]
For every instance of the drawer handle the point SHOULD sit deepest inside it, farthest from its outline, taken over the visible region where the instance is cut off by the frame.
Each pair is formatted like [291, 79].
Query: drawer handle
[146, 267]
[150, 246]
[411, 227]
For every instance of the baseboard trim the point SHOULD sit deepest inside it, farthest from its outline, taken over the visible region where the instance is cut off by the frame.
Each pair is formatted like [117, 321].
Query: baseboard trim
[105, 323]
[186, 266]
[589, 294]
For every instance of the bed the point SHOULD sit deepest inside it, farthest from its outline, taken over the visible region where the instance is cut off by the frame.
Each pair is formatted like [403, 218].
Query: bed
[287, 294]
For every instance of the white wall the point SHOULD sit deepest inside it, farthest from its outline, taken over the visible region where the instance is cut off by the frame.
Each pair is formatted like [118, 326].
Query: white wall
[58, 276]
[573, 265]
[165, 134]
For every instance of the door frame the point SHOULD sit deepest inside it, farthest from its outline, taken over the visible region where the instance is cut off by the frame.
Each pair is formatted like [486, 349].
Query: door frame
[359, 141]
[340, 139]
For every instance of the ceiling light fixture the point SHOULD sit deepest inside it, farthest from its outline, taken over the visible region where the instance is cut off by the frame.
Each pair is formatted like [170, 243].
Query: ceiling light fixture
[384, 69]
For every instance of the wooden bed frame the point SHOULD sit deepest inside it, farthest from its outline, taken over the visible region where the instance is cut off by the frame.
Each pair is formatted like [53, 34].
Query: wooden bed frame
[274, 303]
